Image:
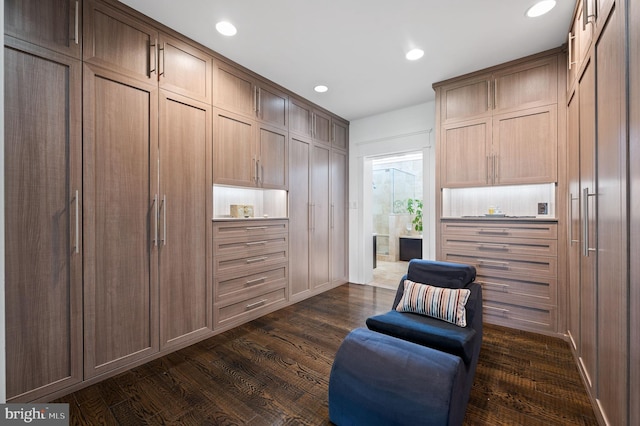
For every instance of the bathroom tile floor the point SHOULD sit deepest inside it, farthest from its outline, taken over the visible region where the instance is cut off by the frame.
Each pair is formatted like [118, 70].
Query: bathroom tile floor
[388, 274]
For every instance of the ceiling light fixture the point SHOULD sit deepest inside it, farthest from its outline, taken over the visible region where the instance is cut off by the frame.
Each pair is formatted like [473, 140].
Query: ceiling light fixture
[540, 8]
[226, 28]
[414, 54]
[321, 88]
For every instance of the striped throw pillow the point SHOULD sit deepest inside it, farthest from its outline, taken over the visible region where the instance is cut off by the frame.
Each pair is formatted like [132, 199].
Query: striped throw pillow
[443, 303]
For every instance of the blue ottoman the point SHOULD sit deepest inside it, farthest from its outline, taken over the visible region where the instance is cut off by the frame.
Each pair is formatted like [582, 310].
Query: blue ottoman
[377, 379]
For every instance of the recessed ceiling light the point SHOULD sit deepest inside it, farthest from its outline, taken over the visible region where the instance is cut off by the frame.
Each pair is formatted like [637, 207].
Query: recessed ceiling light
[226, 28]
[540, 8]
[414, 54]
[321, 88]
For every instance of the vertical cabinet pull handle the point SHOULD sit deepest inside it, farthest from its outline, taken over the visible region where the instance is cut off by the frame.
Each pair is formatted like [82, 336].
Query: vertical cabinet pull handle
[570, 42]
[153, 63]
[259, 99]
[161, 72]
[76, 29]
[309, 216]
[77, 249]
[488, 94]
[571, 219]
[155, 234]
[164, 220]
[255, 99]
[332, 214]
[495, 94]
[585, 225]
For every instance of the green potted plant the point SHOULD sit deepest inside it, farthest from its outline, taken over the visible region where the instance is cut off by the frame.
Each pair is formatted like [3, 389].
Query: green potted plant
[414, 207]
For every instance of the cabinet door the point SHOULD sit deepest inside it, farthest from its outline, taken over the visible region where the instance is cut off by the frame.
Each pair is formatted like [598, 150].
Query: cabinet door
[54, 24]
[338, 218]
[465, 154]
[575, 250]
[320, 206]
[234, 90]
[321, 127]
[526, 86]
[120, 183]
[525, 146]
[588, 339]
[184, 69]
[234, 158]
[272, 157]
[185, 140]
[300, 117]
[272, 106]
[466, 99]
[299, 215]
[119, 42]
[339, 134]
[43, 275]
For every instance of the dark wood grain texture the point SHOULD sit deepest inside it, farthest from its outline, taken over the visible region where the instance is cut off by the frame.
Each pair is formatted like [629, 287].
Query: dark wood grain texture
[275, 370]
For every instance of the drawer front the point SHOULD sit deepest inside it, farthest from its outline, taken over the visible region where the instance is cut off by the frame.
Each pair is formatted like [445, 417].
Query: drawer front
[482, 245]
[501, 229]
[248, 284]
[536, 318]
[250, 306]
[521, 290]
[249, 245]
[513, 265]
[250, 229]
[235, 265]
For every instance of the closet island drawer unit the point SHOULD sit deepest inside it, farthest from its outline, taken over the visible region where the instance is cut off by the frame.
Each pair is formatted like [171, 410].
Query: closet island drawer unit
[517, 265]
[250, 269]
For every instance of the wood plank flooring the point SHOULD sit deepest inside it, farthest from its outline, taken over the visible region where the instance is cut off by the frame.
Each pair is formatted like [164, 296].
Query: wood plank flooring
[275, 371]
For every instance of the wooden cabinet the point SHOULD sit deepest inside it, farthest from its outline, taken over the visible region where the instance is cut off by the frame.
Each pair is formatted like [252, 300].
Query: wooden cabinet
[523, 85]
[517, 264]
[320, 216]
[239, 92]
[308, 121]
[184, 225]
[339, 134]
[247, 153]
[43, 220]
[250, 269]
[54, 24]
[500, 128]
[119, 42]
[339, 219]
[579, 38]
[184, 69]
[120, 184]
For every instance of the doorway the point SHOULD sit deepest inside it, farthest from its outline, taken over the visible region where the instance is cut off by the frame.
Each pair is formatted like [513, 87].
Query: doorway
[397, 205]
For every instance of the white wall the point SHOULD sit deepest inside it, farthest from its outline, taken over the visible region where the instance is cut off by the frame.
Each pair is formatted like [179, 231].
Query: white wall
[3, 389]
[404, 130]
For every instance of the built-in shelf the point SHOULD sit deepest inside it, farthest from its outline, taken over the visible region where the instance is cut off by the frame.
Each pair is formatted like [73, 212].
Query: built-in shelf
[263, 203]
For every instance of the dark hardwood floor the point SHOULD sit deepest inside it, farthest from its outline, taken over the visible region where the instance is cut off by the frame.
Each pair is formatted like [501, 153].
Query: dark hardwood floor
[275, 371]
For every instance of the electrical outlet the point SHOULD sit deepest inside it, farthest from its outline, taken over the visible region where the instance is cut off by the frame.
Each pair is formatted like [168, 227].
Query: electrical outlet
[543, 208]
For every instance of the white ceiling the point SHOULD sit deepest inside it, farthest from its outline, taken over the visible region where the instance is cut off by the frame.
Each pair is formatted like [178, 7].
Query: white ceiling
[357, 47]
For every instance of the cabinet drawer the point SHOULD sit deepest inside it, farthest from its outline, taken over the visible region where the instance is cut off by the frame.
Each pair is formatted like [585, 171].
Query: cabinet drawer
[500, 246]
[501, 229]
[513, 265]
[236, 264]
[254, 229]
[249, 245]
[250, 305]
[524, 290]
[539, 318]
[232, 286]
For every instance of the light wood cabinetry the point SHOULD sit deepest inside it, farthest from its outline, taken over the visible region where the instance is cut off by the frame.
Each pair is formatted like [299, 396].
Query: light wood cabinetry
[579, 38]
[250, 269]
[53, 24]
[308, 121]
[500, 128]
[184, 212]
[43, 220]
[339, 243]
[120, 141]
[239, 92]
[320, 211]
[339, 134]
[517, 264]
[247, 153]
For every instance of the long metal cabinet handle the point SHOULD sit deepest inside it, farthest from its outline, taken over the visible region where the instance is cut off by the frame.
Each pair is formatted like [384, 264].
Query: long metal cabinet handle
[332, 214]
[585, 222]
[164, 221]
[488, 94]
[160, 50]
[570, 39]
[259, 99]
[256, 304]
[153, 63]
[77, 250]
[495, 93]
[309, 216]
[571, 241]
[77, 24]
[155, 235]
[255, 99]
